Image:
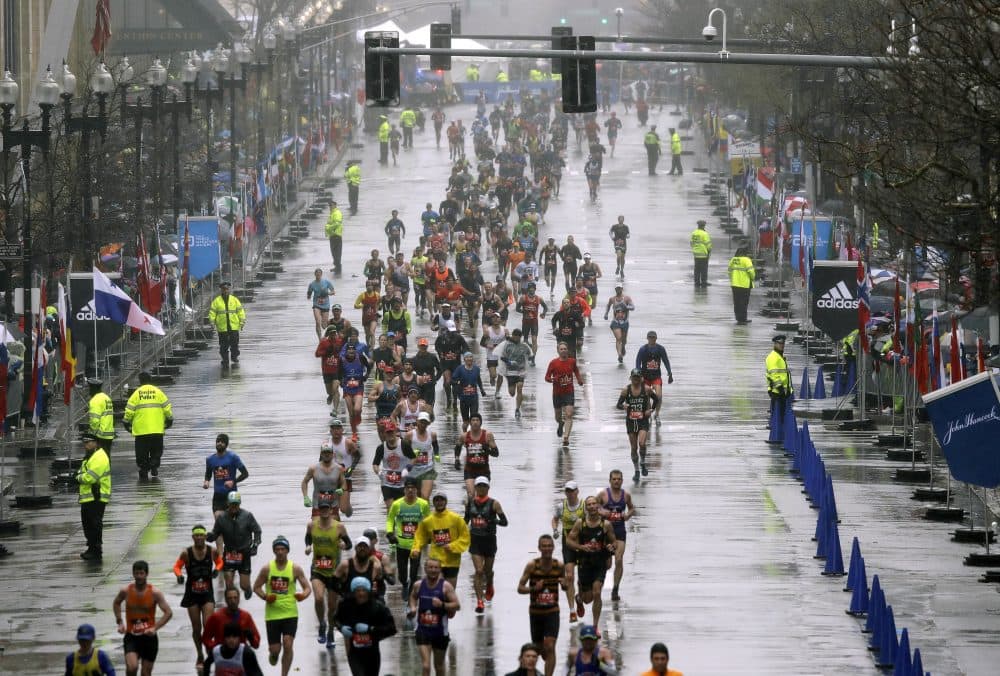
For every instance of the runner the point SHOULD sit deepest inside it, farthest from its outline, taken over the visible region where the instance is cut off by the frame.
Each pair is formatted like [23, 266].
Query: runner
[407, 411]
[232, 656]
[275, 584]
[593, 538]
[638, 402]
[328, 481]
[428, 453]
[326, 538]
[590, 272]
[428, 369]
[364, 621]
[568, 511]
[418, 274]
[650, 358]
[621, 305]
[541, 580]
[494, 334]
[592, 170]
[620, 234]
[437, 117]
[589, 658]
[241, 536]
[447, 535]
[450, 345]
[223, 471]
[570, 253]
[231, 614]
[483, 514]
[401, 524]
[616, 507]
[514, 355]
[432, 602]
[140, 625]
[468, 384]
[347, 455]
[328, 351]
[395, 453]
[338, 320]
[549, 255]
[363, 564]
[567, 326]
[479, 446]
[87, 660]
[528, 305]
[388, 564]
[320, 290]
[202, 564]
[613, 125]
[367, 301]
[353, 372]
[385, 396]
[560, 373]
[527, 660]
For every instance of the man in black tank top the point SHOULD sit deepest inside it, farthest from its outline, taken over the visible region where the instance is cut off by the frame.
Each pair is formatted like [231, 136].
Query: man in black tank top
[638, 402]
[594, 541]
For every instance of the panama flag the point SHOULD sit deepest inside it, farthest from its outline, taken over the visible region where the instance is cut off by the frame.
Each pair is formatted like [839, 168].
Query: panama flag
[112, 302]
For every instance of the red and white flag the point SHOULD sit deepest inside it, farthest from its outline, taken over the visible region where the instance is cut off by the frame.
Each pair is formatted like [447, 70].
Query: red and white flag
[765, 184]
[102, 26]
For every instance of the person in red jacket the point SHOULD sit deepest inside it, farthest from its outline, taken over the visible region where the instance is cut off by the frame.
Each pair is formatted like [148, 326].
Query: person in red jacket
[328, 351]
[216, 625]
[560, 373]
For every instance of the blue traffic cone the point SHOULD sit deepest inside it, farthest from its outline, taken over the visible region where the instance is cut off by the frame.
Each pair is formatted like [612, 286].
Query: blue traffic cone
[819, 391]
[859, 597]
[805, 391]
[903, 666]
[776, 431]
[822, 517]
[838, 385]
[888, 643]
[917, 668]
[796, 466]
[822, 536]
[851, 377]
[852, 571]
[834, 557]
[873, 607]
[790, 436]
[831, 499]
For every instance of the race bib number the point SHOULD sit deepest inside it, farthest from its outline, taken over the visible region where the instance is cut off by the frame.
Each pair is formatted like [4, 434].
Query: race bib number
[565, 380]
[442, 537]
[361, 640]
[222, 473]
[353, 382]
[323, 563]
[475, 458]
[545, 598]
[325, 496]
[469, 390]
[278, 585]
[566, 330]
[423, 458]
[652, 364]
[200, 586]
[429, 619]
[479, 522]
[635, 415]
[409, 530]
[616, 516]
[233, 558]
[140, 626]
[393, 477]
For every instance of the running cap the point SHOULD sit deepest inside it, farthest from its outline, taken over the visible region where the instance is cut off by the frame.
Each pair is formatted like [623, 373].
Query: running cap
[336, 306]
[413, 389]
[326, 447]
[411, 481]
[439, 494]
[234, 498]
[482, 481]
[280, 541]
[335, 422]
[199, 529]
[778, 339]
[445, 305]
[651, 334]
[361, 583]
[619, 287]
[363, 541]
[467, 355]
[636, 373]
[588, 631]
[571, 486]
[424, 415]
[587, 255]
[371, 534]
[86, 632]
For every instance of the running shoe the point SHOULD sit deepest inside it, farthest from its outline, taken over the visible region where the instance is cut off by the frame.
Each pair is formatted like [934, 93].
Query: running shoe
[480, 606]
[330, 635]
[572, 618]
[517, 413]
[645, 472]
[321, 638]
[489, 592]
[272, 659]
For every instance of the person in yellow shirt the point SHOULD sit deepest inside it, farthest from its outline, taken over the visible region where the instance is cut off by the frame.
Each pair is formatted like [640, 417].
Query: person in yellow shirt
[148, 415]
[741, 278]
[334, 231]
[101, 414]
[447, 534]
[701, 249]
[227, 314]
[659, 658]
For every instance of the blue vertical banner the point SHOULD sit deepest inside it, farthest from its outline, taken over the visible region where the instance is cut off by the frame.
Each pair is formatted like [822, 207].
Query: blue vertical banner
[966, 421]
[205, 250]
[802, 234]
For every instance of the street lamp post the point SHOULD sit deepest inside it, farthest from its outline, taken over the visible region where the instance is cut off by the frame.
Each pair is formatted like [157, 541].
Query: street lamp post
[233, 82]
[26, 140]
[102, 84]
[156, 78]
[174, 107]
[260, 69]
[208, 93]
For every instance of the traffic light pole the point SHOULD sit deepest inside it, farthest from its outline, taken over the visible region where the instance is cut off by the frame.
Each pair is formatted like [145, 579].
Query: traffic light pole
[636, 40]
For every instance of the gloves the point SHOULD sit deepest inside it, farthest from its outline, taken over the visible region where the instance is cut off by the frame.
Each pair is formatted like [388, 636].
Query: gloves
[458, 464]
[339, 491]
[168, 423]
[391, 537]
[437, 458]
[307, 501]
[347, 632]
[349, 472]
[128, 427]
[253, 550]
[215, 573]
[361, 628]
[180, 579]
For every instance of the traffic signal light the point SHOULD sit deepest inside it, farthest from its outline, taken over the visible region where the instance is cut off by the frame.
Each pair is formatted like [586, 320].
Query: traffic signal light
[440, 39]
[381, 70]
[557, 33]
[456, 20]
[579, 76]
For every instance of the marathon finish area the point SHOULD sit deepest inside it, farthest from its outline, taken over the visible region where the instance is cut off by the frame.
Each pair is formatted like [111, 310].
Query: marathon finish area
[718, 560]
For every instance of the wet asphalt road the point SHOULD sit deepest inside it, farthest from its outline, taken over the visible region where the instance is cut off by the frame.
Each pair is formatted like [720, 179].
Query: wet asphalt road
[719, 559]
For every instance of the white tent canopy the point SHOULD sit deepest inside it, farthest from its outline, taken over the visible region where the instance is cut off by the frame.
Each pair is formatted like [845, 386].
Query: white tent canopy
[384, 26]
[422, 36]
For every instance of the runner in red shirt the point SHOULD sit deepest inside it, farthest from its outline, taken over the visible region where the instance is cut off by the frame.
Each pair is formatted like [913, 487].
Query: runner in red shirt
[560, 373]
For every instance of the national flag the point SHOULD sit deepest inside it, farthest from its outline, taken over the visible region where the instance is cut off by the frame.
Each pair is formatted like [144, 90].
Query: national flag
[186, 263]
[912, 337]
[102, 26]
[864, 304]
[114, 303]
[938, 376]
[802, 245]
[68, 365]
[765, 184]
[36, 396]
[4, 364]
[897, 319]
[150, 293]
[980, 356]
[957, 372]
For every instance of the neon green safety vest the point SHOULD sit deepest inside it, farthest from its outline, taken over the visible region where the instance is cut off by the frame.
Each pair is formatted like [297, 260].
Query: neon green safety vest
[701, 243]
[383, 132]
[741, 272]
[148, 410]
[94, 477]
[102, 416]
[335, 223]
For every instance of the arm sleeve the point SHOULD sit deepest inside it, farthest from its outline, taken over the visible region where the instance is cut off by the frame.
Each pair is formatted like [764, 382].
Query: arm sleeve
[379, 454]
[179, 566]
[104, 662]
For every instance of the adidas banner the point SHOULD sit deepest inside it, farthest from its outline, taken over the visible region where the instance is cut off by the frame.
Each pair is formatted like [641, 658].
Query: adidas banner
[89, 324]
[835, 297]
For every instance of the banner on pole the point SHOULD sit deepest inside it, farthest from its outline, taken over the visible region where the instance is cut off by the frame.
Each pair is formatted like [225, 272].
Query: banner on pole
[966, 421]
[203, 233]
[835, 297]
[802, 234]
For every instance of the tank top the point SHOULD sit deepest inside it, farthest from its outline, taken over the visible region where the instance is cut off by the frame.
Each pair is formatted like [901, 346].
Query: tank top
[396, 324]
[571, 516]
[393, 462]
[494, 336]
[281, 583]
[338, 324]
[482, 518]
[477, 458]
[409, 417]
[529, 308]
[199, 580]
[90, 667]
[340, 454]
[617, 508]
[588, 273]
[140, 609]
[593, 539]
[325, 483]
[353, 572]
[591, 666]
[431, 622]
[326, 548]
[387, 400]
[546, 600]
[228, 666]
[424, 450]
[636, 404]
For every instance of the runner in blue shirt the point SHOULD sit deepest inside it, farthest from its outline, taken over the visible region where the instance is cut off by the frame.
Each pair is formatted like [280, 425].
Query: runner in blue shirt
[468, 383]
[319, 291]
[224, 469]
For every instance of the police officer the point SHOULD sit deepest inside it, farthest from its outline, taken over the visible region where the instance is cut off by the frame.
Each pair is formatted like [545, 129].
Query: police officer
[352, 175]
[675, 153]
[229, 317]
[779, 378]
[334, 232]
[101, 414]
[741, 278]
[147, 416]
[94, 479]
[652, 143]
[407, 119]
[383, 139]
[701, 249]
